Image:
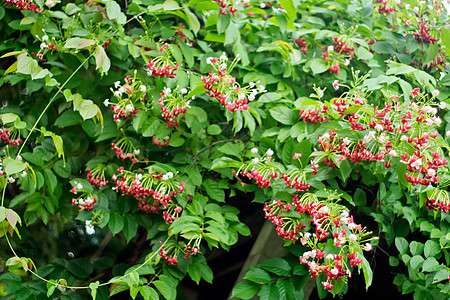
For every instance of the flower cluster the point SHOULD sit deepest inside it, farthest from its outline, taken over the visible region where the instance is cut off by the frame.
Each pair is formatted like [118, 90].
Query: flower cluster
[24, 5]
[262, 170]
[97, 177]
[303, 45]
[312, 222]
[423, 35]
[224, 4]
[162, 66]
[5, 135]
[385, 8]
[161, 142]
[85, 200]
[127, 96]
[152, 190]
[223, 87]
[124, 149]
[315, 114]
[173, 105]
[170, 259]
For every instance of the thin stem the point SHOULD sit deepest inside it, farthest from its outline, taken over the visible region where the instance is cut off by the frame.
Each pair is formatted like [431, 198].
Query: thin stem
[50, 102]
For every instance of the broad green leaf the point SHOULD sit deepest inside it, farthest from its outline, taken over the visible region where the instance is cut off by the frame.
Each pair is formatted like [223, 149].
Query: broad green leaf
[368, 273]
[257, 275]
[431, 248]
[115, 223]
[193, 20]
[130, 227]
[148, 293]
[277, 266]
[8, 118]
[112, 9]
[245, 290]
[163, 288]
[101, 59]
[13, 166]
[284, 115]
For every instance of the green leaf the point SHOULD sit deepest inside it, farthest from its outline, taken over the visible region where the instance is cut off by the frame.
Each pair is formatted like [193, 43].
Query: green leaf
[245, 290]
[171, 5]
[78, 43]
[214, 190]
[269, 292]
[26, 65]
[225, 162]
[431, 248]
[94, 286]
[232, 34]
[163, 288]
[115, 223]
[257, 275]
[445, 35]
[101, 59]
[193, 20]
[51, 286]
[430, 265]
[12, 217]
[363, 54]
[79, 267]
[367, 270]
[13, 166]
[285, 289]
[2, 213]
[415, 261]
[8, 118]
[318, 66]
[58, 142]
[130, 227]
[277, 266]
[214, 129]
[148, 293]
[88, 110]
[402, 245]
[112, 9]
[284, 115]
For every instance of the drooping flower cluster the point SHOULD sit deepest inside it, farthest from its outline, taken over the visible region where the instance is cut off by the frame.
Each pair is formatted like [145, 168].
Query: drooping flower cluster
[303, 45]
[423, 35]
[438, 200]
[85, 200]
[24, 5]
[313, 222]
[262, 170]
[162, 65]
[385, 8]
[124, 149]
[223, 87]
[224, 4]
[127, 95]
[96, 177]
[152, 190]
[6, 135]
[173, 105]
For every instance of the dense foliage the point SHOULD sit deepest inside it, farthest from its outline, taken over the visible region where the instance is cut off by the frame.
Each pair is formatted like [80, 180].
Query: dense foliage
[135, 123]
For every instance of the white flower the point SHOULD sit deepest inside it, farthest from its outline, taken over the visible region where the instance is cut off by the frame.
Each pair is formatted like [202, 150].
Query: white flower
[447, 133]
[422, 3]
[442, 105]
[429, 121]
[404, 138]
[379, 127]
[223, 66]
[382, 138]
[324, 209]
[79, 186]
[346, 62]
[326, 136]
[344, 214]
[427, 109]
[407, 6]
[346, 141]
[43, 46]
[19, 158]
[184, 91]
[417, 164]
[89, 200]
[24, 174]
[438, 121]
[334, 271]
[367, 247]
[269, 152]
[137, 151]
[106, 102]
[223, 57]
[255, 160]
[393, 153]
[116, 84]
[261, 88]
[50, 3]
[241, 96]
[352, 237]
[330, 49]
[351, 226]
[138, 177]
[251, 84]
[330, 257]
[251, 97]
[262, 5]
[398, 2]
[45, 38]
[254, 150]
[143, 88]
[89, 227]
[169, 175]
[129, 108]
[431, 172]
[416, 9]
[117, 93]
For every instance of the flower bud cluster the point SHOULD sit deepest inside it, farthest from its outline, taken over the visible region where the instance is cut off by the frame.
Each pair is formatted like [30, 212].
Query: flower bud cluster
[127, 95]
[5, 135]
[152, 190]
[85, 200]
[96, 177]
[262, 170]
[224, 4]
[161, 142]
[303, 45]
[384, 8]
[124, 149]
[223, 87]
[24, 5]
[173, 105]
[162, 66]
